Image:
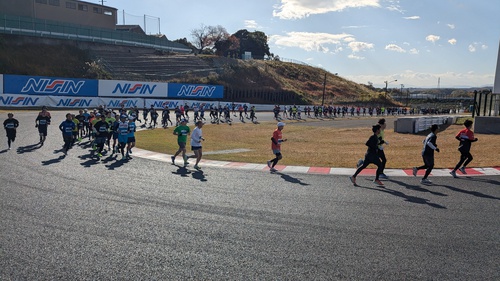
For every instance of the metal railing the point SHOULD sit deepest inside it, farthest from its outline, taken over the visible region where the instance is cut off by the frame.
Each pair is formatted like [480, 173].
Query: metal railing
[45, 28]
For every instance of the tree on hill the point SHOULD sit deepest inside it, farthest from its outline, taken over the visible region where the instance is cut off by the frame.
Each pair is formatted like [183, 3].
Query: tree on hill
[255, 42]
[229, 47]
[208, 36]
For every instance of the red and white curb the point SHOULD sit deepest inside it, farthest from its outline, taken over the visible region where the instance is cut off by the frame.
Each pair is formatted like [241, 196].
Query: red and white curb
[494, 171]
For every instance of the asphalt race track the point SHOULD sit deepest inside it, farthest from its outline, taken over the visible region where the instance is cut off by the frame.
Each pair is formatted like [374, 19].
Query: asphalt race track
[78, 218]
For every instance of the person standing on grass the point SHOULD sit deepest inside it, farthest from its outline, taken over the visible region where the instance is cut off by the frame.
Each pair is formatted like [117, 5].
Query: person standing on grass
[196, 139]
[10, 124]
[466, 138]
[181, 131]
[428, 155]
[371, 156]
[276, 141]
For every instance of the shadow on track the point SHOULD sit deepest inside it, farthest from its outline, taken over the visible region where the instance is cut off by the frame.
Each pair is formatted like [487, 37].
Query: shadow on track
[291, 179]
[417, 188]
[470, 192]
[182, 171]
[28, 148]
[53, 161]
[408, 198]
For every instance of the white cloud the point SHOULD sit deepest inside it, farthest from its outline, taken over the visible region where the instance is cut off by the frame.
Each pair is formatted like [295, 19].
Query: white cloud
[452, 41]
[484, 47]
[451, 26]
[354, 57]
[474, 46]
[310, 41]
[298, 9]
[412, 18]
[251, 24]
[432, 38]
[414, 51]
[359, 46]
[395, 48]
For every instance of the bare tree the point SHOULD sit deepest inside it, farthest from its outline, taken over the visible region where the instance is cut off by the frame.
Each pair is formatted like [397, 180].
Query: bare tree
[208, 36]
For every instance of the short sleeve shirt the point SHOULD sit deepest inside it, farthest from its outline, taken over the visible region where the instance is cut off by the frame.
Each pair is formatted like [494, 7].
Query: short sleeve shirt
[182, 132]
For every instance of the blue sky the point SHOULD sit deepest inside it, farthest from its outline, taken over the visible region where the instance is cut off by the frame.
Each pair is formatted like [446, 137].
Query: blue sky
[416, 42]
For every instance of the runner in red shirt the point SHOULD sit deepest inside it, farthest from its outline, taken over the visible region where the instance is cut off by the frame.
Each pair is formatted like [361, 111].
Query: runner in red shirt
[466, 138]
[277, 139]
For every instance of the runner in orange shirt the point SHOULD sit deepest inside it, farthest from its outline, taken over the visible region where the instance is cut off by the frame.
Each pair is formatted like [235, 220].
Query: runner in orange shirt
[277, 139]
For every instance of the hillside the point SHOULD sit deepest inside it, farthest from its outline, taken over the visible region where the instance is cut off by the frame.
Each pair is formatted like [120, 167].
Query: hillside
[251, 81]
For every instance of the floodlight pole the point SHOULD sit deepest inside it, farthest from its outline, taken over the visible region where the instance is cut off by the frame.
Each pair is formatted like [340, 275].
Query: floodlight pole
[386, 83]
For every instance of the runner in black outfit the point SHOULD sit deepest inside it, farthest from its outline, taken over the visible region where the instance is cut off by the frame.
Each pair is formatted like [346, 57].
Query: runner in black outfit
[371, 156]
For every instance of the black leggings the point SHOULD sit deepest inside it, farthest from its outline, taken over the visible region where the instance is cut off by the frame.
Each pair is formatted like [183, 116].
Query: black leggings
[465, 158]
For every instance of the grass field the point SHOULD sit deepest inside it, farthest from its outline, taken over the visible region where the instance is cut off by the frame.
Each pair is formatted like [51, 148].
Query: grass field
[322, 146]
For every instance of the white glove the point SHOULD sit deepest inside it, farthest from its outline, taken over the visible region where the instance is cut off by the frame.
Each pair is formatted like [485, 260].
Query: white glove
[386, 142]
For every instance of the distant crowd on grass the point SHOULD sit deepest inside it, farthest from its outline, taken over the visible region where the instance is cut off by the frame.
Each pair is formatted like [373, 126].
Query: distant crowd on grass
[331, 111]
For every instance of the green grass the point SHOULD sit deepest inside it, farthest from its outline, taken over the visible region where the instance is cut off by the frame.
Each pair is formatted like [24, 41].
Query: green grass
[321, 146]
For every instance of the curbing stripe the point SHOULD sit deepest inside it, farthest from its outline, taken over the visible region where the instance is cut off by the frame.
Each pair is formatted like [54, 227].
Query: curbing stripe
[492, 171]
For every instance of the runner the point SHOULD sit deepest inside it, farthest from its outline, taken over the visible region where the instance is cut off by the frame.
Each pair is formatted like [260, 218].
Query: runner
[428, 155]
[154, 117]
[131, 134]
[101, 131]
[123, 130]
[381, 152]
[86, 123]
[181, 131]
[466, 138]
[10, 124]
[41, 122]
[81, 126]
[196, 139]
[276, 139]
[75, 130]
[371, 156]
[67, 127]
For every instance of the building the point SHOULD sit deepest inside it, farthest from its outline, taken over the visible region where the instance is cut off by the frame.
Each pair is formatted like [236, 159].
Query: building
[69, 11]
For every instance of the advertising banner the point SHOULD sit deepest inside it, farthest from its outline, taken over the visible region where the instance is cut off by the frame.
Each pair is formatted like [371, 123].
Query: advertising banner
[22, 100]
[126, 89]
[119, 102]
[37, 85]
[73, 102]
[1, 84]
[195, 91]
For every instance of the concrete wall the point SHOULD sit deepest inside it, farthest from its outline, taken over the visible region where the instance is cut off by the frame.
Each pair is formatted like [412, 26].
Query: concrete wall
[487, 125]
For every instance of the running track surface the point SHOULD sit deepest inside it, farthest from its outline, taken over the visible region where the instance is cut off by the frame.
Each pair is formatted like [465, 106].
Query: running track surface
[311, 170]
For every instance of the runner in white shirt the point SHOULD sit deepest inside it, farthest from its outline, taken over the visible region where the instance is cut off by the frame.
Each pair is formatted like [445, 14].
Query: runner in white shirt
[196, 139]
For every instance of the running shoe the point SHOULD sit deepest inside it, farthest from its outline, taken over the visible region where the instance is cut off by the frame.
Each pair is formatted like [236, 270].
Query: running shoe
[415, 170]
[173, 159]
[99, 155]
[378, 182]
[353, 180]
[273, 170]
[197, 167]
[426, 181]
[463, 170]
[454, 174]
[186, 163]
[269, 164]
[130, 151]
[383, 176]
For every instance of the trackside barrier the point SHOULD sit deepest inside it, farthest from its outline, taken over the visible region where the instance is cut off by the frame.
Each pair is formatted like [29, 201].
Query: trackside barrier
[415, 125]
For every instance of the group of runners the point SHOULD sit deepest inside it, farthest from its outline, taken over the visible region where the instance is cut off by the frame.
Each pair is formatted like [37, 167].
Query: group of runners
[103, 125]
[375, 152]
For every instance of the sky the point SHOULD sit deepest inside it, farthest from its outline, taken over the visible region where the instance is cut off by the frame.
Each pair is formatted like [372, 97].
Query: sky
[419, 43]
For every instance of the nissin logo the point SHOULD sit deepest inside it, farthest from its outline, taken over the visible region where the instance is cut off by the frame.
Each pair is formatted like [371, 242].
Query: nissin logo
[130, 89]
[51, 86]
[18, 100]
[169, 104]
[74, 102]
[119, 103]
[196, 91]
